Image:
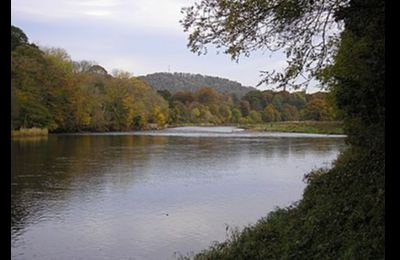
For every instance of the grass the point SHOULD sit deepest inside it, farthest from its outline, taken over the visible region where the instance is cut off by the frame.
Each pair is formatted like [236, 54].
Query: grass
[194, 124]
[312, 127]
[29, 132]
[316, 127]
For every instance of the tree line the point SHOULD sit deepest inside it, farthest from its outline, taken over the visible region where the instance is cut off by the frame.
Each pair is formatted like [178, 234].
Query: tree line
[50, 90]
[174, 82]
[208, 106]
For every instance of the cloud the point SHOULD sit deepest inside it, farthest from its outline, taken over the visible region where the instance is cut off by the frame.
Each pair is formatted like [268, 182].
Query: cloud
[139, 36]
[97, 13]
[134, 14]
[95, 3]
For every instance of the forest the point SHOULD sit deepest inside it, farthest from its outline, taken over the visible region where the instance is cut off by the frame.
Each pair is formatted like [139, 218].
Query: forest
[50, 90]
[174, 82]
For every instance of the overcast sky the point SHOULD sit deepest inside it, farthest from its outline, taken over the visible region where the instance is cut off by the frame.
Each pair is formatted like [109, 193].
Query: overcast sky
[138, 36]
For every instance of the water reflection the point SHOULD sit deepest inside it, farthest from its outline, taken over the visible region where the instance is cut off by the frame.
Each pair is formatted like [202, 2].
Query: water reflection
[108, 196]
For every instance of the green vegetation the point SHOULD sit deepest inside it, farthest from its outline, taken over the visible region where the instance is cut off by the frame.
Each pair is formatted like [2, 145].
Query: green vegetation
[175, 82]
[318, 127]
[49, 90]
[207, 106]
[30, 132]
[342, 212]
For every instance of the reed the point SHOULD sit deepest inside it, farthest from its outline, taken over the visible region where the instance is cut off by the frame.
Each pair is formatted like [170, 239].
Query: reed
[25, 132]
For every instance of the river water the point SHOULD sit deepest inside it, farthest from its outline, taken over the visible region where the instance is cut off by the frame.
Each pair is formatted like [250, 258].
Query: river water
[148, 195]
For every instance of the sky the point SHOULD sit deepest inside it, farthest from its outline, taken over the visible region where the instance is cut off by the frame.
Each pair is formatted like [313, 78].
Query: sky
[137, 36]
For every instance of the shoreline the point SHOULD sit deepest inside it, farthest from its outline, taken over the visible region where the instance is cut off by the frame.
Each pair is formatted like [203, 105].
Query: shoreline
[306, 127]
[29, 132]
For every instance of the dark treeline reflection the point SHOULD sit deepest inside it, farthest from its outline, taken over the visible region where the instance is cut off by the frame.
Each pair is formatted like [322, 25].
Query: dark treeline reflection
[58, 178]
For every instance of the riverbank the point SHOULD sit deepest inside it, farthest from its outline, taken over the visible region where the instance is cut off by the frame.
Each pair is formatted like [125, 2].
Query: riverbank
[29, 132]
[310, 127]
[333, 220]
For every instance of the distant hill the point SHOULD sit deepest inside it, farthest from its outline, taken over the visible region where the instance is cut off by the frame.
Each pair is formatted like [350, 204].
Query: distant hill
[174, 82]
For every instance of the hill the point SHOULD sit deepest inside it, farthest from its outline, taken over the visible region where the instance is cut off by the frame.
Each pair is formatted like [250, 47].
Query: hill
[174, 82]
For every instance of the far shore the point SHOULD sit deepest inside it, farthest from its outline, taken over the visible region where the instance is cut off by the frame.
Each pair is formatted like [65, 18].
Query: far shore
[309, 127]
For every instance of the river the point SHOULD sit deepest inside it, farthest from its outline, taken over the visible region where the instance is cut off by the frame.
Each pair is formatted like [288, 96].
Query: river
[147, 195]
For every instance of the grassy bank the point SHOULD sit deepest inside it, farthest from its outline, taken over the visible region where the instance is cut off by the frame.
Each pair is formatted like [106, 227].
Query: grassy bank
[341, 216]
[315, 127]
[29, 132]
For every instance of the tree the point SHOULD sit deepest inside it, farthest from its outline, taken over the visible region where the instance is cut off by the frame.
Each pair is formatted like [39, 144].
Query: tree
[90, 102]
[29, 81]
[277, 101]
[289, 113]
[180, 113]
[185, 97]
[255, 117]
[255, 99]
[159, 116]
[18, 37]
[166, 95]
[82, 66]
[268, 95]
[236, 115]
[195, 114]
[306, 30]
[206, 95]
[319, 110]
[271, 114]
[340, 41]
[244, 108]
[226, 113]
[121, 74]
[175, 82]
[358, 76]
[60, 88]
[298, 99]
[98, 70]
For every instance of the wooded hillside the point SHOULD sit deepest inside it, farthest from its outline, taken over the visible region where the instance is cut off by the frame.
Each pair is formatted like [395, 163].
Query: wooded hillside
[174, 82]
